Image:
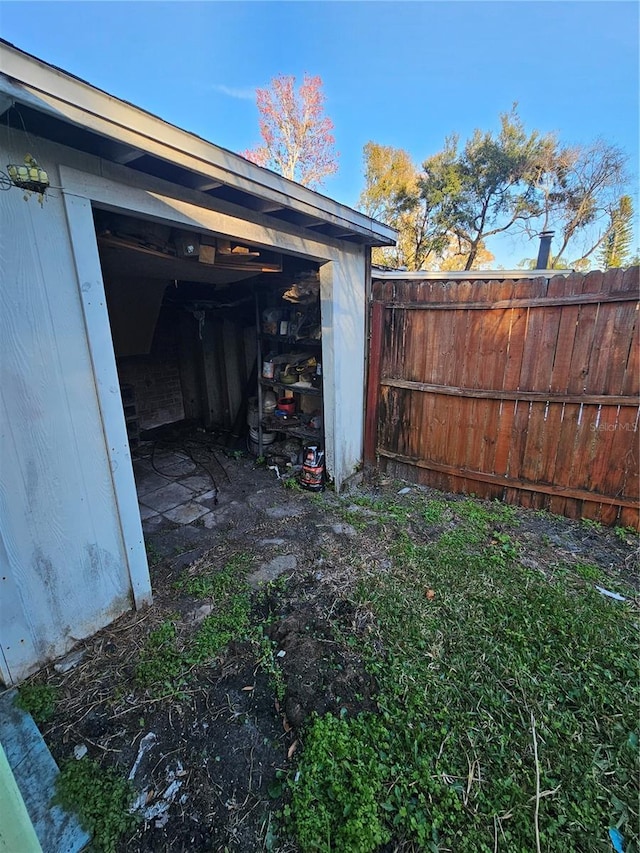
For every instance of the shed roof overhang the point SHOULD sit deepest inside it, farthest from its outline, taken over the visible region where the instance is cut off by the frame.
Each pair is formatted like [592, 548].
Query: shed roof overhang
[59, 106]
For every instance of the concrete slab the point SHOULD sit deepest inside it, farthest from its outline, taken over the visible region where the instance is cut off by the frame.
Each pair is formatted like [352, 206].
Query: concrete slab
[186, 513]
[156, 524]
[282, 511]
[149, 481]
[174, 465]
[207, 496]
[199, 483]
[271, 570]
[146, 513]
[167, 498]
[35, 773]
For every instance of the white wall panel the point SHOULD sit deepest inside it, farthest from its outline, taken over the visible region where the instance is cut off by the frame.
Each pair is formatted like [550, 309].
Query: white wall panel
[63, 569]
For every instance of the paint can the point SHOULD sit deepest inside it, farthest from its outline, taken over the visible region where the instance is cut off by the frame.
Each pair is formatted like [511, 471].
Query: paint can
[268, 369]
[312, 474]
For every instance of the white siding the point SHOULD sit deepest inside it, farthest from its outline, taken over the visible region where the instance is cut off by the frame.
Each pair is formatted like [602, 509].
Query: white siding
[63, 567]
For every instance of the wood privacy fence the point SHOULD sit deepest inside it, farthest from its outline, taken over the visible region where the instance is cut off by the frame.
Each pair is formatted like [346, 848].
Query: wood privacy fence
[519, 389]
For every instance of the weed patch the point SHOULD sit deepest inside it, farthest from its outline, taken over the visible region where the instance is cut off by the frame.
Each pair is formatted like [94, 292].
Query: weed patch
[39, 700]
[101, 798]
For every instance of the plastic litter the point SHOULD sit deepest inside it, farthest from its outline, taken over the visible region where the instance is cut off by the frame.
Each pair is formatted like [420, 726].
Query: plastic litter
[610, 594]
[616, 839]
[79, 751]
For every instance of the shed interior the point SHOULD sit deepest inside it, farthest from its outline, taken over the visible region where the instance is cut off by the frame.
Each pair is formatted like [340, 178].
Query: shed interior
[192, 321]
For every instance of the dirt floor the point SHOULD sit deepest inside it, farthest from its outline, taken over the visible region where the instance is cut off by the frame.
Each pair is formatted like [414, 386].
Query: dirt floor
[206, 760]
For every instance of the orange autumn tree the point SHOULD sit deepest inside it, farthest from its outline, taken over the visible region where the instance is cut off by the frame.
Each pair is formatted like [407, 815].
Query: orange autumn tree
[297, 135]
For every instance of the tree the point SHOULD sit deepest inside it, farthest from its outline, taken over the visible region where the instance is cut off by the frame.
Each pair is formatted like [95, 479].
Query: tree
[515, 180]
[587, 191]
[297, 135]
[497, 182]
[615, 249]
[393, 194]
[446, 211]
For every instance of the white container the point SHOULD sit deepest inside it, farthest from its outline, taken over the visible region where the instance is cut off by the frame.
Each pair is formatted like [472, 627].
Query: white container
[253, 444]
[267, 437]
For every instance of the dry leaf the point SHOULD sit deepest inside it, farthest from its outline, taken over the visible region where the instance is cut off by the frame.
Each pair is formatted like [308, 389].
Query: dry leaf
[249, 687]
[429, 594]
[286, 725]
[292, 749]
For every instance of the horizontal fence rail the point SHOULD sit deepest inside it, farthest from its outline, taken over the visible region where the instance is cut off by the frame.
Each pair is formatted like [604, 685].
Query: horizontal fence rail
[523, 389]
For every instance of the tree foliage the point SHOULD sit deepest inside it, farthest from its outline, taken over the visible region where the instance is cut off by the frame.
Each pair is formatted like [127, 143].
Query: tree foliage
[617, 243]
[297, 138]
[392, 193]
[515, 180]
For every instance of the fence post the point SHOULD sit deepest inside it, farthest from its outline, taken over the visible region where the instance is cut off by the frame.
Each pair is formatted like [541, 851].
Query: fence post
[373, 384]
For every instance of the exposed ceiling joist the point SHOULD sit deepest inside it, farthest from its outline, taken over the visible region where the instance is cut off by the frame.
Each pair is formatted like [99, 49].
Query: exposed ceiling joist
[205, 186]
[261, 205]
[122, 154]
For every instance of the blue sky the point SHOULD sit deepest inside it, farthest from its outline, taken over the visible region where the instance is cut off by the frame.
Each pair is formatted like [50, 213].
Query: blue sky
[405, 74]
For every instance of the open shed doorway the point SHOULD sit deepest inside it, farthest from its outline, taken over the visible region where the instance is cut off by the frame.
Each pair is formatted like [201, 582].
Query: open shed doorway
[193, 320]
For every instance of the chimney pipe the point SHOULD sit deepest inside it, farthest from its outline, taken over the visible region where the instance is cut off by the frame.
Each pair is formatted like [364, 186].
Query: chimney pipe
[545, 250]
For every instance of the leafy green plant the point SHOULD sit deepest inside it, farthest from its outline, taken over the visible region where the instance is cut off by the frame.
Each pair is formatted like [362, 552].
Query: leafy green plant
[591, 524]
[336, 796]
[269, 664]
[628, 535]
[292, 483]
[229, 622]
[162, 665]
[39, 700]
[215, 583]
[100, 797]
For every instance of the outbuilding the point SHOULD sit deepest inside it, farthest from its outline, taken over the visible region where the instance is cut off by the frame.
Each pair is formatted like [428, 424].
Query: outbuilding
[140, 265]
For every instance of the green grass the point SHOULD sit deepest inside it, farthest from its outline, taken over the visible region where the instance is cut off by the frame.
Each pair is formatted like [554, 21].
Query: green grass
[166, 660]
[101, 798]
[480, 662]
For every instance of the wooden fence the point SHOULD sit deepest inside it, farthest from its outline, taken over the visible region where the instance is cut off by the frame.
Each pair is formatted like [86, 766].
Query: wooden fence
[524, 390]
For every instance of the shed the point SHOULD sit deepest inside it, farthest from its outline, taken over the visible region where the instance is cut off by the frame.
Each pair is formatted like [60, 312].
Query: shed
[144, 234]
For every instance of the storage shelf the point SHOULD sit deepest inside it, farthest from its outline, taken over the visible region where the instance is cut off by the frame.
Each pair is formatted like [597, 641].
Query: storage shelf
[292, 342]
[295, 350]
[291, 428]
[299, 389]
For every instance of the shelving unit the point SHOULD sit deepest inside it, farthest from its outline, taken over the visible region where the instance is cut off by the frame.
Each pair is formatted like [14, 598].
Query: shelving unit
[297, 425]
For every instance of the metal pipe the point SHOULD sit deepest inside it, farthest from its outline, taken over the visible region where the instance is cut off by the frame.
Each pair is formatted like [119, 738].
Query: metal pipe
[545, 250]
